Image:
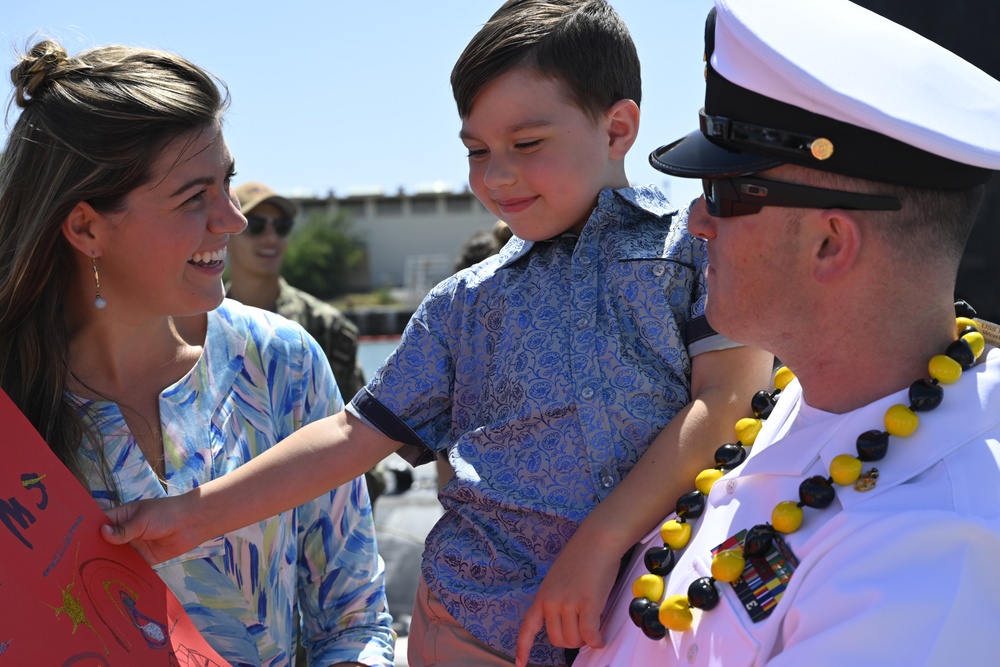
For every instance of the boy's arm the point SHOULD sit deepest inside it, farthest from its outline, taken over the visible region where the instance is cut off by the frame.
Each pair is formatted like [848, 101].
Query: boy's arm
[572, 596]
[315, 459]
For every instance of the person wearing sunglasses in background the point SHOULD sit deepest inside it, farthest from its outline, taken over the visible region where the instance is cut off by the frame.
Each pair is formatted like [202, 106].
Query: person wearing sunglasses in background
[255, 259]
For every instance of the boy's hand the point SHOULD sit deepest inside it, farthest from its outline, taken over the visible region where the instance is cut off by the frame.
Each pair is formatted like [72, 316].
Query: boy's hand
[571, 598]
[158, 528]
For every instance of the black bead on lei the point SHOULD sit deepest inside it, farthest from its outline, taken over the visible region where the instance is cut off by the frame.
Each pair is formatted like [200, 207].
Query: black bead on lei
[873, 445]
[961, 351]
[925, 395]
[762, 403]
[638, 607]
[963, 309]
[817, 492]
[651, 626]
[659, 560]
[758, 541]
[702, 594]
[691, 505]
[729, 456]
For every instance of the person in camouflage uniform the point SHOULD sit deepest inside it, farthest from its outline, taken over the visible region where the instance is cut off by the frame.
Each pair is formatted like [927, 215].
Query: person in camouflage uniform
[336, 334]
[255, 258]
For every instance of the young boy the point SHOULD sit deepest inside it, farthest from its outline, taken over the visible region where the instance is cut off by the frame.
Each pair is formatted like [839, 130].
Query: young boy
[545, 371]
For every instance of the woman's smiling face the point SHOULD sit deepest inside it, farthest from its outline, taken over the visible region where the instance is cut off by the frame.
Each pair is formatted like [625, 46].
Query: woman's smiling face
[168, 245]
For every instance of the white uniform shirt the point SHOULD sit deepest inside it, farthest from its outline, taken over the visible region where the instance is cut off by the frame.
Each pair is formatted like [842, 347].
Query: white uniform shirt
[905, 574]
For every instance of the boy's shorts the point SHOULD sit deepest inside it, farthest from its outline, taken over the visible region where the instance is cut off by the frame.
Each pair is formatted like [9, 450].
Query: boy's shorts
[437, 640]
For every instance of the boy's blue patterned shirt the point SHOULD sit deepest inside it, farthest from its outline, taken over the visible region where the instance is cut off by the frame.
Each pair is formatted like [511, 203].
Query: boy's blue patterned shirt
[545, 371]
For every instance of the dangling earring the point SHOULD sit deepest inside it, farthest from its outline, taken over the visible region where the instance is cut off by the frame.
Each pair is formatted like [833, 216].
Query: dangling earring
[99, 301]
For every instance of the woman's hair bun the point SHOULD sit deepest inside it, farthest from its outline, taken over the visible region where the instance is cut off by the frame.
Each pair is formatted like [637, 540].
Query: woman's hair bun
[38, 69]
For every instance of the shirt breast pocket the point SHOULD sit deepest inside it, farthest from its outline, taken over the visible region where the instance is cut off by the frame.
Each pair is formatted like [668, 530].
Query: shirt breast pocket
[727, 620]
[653, 300]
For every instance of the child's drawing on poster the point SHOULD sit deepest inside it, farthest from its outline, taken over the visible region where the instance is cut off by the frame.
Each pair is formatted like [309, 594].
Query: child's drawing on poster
[67, 597]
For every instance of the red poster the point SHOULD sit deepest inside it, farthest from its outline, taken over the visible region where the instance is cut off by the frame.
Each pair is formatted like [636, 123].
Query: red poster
[67, 597]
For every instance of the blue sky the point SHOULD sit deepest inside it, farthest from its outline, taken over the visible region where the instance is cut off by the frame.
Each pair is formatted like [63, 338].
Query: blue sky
[347, 94]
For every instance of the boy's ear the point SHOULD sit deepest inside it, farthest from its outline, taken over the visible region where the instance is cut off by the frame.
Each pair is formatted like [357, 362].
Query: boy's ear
[86, 229]
[622, 122]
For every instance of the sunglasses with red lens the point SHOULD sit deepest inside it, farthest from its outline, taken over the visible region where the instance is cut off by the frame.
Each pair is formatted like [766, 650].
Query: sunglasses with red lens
[731, 197]
[257, 223]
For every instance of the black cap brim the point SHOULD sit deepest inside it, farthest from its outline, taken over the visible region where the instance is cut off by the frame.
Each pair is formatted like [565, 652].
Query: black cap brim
[694, 156]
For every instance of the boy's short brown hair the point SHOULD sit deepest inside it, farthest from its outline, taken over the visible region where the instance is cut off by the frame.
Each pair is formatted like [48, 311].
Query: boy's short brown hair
[583, 44]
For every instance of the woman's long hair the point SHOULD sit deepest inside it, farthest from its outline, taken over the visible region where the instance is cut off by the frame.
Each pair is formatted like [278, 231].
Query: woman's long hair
[89, 129]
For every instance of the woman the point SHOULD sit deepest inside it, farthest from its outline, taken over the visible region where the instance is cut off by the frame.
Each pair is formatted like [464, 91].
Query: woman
[115, 341]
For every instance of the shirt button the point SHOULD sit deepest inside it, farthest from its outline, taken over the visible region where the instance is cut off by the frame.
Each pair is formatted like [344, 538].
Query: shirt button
[659, 270]
[587, 393]
[731, 487]
[585, 260]
[692, 653]
[607, 481]
[582, 323]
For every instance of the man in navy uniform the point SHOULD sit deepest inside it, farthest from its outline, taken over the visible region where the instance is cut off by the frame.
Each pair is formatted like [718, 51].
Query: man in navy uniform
[843, 159]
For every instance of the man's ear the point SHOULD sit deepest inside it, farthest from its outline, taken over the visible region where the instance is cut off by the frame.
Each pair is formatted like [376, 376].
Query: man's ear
[622, 121]
[836, 244]
[86, 229]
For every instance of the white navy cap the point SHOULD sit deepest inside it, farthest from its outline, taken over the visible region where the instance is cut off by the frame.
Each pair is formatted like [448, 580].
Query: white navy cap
[830, 85]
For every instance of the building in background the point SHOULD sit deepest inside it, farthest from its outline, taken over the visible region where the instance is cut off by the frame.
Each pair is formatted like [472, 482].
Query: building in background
[410, 240]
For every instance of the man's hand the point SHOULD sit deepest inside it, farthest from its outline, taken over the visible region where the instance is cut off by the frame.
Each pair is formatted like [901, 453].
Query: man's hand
[571, 598]
[158, 528]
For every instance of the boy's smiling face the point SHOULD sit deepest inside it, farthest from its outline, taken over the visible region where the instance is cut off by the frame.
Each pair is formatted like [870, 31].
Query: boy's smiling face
[536, 160]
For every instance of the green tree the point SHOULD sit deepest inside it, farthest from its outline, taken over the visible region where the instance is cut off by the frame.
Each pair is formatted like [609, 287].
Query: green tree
[321, 254]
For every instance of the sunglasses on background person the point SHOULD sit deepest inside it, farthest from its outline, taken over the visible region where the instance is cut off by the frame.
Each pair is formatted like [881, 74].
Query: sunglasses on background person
[257, 223]
[731, 197]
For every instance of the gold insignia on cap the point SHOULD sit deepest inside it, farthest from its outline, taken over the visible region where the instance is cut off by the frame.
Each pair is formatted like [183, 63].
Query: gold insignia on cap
[821, 148]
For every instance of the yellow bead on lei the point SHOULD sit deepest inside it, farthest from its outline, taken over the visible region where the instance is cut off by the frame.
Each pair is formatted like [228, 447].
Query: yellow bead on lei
[901, 421]
[675, 534]
[648, 586]
[944, 369]
[728, 565]
[706, 479]
[976, 342]
[675, 613]
[747, 430]
[963, 323]
[782, 377]
[845, 469]
[786, 517]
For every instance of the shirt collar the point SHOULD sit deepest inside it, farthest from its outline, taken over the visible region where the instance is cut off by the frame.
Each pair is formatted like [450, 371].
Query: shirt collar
[221, 360]
[644, 198]
[973, 402]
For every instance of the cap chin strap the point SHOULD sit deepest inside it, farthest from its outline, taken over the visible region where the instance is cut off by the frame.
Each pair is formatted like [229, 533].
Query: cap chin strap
[770, 128]
[793, 145]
